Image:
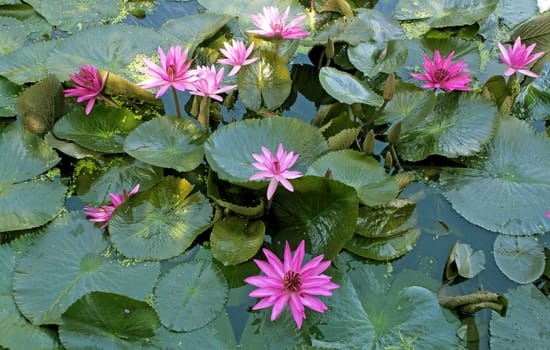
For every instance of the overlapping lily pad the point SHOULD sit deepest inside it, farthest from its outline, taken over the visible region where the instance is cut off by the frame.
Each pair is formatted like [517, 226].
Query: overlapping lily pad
[520, 258]
[14, 34]
[80, 263]
[506, 188]
[383, 249]
[190, 295]
[26, 64]
[103, 130]
[109, 321]
[160, 223]
[235, 240]
[8, 97]
[229, 149]
[168, 142]
[348, 89]
[364, 173]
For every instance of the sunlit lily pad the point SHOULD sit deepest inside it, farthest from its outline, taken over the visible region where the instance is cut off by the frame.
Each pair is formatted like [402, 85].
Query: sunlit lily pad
[8, 97]
[229, 149]
[506, 188]
[27, 63]
[111, 48]
[47, 281]
[108, 321]
[235, 240]
[364, 173]
[168, 142]
[348, 89]
[520, 258]
[320, 210]
[199, 290]
[526, 321]
[160, 223]
[103, 130]
[458, 126]
[17, 333]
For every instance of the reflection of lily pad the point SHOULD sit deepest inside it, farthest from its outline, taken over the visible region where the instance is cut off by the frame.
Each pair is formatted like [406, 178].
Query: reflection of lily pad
[47, 281]
[190, 295]
[520, 258]
[504, 189]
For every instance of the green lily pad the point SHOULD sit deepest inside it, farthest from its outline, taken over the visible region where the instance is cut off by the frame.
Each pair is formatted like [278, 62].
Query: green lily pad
[190, 295]
[96, 180]
[526, 321]
[364, 173]
[47, 281]
[456, 127]
[18, 333]
[390, 219]
[320, 210]
[160, 223]
[520, 258]
[235, 240]
[267, 80]
[445, 13]
[191, 31]
[535, 98]
[372, 58]
[14, 34]
[352, 30]
[240, 200]
[108, 321]
[112, 48]
[26, 64]
[505, 188]
[535, 31]
[229, 149]
[346, 88]
[410, 105]
[8, 97]
[383, 249]
[369, 312]
[104, 129]
[168, 142]
[70, 14]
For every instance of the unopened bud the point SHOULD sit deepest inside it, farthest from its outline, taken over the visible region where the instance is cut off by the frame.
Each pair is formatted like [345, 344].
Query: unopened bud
[389, 88]
[388, 160]
[329, 51]
[369, 143]
[394, 133]
[328, 174]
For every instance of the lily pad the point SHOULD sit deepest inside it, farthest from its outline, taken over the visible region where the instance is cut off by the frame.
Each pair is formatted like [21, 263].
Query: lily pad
[468, 262]
[390, 219]
[190, 295]
[160, 223]
[8, 97]
[526, 321]
[321, 210]
[240, 200]
[410, 105]
[103, 130]
[504, 188]
[14, 34]
[372, 59]
[267, 80]
[235, 240]
[383, 249]
[229, 149]
[520, 258]
[364, 173]
[27, 63]
[47, 281]
[168, 142]
[458, 126]
[346, 88]
[108, 321]
[112, 48]
[535, 98]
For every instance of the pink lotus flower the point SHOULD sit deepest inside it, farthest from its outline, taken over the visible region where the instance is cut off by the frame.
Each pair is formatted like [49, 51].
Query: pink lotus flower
[89, 85]
[173, 71]
[275, 168]
[442, 74]
[236, 55]
[208, 83]
[517, 58]
[271, 25]
[104, 213]
[548, 214]
[291, 283]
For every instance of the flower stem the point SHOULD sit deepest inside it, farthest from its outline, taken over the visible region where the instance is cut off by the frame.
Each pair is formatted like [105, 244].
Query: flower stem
[107, 100]
[277, 46]
[176, 102]
[204, 112]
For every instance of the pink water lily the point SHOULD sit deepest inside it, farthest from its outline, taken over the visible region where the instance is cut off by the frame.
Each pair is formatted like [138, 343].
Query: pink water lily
[275, 167]
[89, 85]
[236, 55]
[104, 213]
[289, 282]
[208, 83]
[548, 214]
[173, 71]
[443, 74]
[517, 57]
[271, 25]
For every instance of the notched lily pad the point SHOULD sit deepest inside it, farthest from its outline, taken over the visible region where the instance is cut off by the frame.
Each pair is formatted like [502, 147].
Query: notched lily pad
[520, 258]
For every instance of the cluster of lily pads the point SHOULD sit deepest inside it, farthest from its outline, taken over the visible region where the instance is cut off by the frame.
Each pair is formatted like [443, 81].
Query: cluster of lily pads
[135, 218]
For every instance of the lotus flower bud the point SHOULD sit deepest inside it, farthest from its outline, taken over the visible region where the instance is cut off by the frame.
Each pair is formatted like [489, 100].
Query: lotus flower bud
[369, 143]
[394, 133]
[389, 88]
[388, 160]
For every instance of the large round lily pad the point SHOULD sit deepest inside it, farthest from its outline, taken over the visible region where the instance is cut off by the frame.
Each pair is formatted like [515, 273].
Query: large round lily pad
[520, 258]
[229, 149]
[190, 295]
[168, 142]
[68, 260]
[506, 188]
